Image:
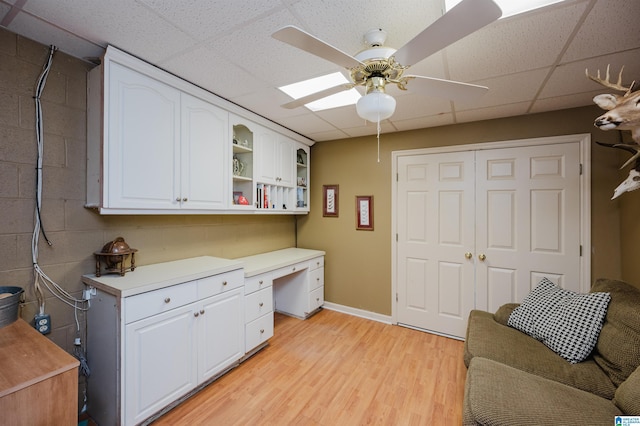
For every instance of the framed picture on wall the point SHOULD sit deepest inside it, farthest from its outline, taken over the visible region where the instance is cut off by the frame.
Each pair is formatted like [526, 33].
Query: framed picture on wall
[364, 212]
[330, 200]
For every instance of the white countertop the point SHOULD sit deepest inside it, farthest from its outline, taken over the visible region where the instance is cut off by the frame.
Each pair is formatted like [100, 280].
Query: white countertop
[265, 262]
[160, 275]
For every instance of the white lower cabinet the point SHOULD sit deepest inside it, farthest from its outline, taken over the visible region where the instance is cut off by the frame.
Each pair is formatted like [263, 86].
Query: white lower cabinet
[152, 348]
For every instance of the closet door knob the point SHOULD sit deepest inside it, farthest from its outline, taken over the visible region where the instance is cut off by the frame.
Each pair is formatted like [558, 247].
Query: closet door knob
[482, 257]
[468, 255]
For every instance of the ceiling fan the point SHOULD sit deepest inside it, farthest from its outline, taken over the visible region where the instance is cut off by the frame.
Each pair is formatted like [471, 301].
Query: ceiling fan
[379, 65]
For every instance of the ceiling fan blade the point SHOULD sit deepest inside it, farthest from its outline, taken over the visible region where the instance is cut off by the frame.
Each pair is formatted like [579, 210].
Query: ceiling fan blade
[465, 18]
[446, 89]
[305, 41]
[318, 95]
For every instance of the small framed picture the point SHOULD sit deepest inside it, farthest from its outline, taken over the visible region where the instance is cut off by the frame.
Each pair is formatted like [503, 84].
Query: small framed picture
[364, 212]
[330, 200]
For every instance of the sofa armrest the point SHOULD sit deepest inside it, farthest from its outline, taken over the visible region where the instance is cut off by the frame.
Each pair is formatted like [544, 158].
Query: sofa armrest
[502, 314]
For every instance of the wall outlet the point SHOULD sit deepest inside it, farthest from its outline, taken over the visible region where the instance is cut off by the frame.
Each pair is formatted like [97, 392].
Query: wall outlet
[42, 323]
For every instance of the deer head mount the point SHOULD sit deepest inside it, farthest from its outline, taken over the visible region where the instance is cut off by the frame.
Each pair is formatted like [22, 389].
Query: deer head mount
[623, 113]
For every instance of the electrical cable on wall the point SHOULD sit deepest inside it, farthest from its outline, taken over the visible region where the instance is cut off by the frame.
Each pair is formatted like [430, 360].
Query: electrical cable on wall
[40, 278]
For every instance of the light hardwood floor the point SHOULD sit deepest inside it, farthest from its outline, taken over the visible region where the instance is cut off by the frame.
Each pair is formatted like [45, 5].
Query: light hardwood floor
[336, 369]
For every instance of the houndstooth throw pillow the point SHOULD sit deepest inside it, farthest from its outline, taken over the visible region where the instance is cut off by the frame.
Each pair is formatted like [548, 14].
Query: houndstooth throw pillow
[568, 323]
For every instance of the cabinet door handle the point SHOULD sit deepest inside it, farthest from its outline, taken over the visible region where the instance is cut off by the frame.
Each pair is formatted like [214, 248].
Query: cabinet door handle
[195, 314]
[261, 304]
[317, 299]
[178, 199]
[167, 299]
[262, 331]
[185, 199]
[201, 311]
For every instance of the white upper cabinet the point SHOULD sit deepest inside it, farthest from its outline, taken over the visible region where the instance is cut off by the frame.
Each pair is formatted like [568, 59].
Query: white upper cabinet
[157, 144]
[142, 146]
[203, 155]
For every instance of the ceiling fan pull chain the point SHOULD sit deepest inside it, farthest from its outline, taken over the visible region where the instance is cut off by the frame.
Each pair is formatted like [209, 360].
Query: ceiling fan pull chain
[378, 137]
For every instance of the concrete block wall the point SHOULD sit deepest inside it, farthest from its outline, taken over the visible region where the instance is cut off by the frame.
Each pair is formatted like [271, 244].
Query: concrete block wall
[77, 232]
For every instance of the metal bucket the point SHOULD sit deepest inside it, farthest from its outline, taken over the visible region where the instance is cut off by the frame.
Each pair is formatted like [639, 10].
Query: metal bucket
[9, 304]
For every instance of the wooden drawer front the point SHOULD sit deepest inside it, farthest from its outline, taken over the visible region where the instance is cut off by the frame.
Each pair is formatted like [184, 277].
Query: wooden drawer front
[257, 304]
[258, 331]
[154, 302]
[316, 278]
[316, 263]
[257, 282]
[316, 299]
[216, 284]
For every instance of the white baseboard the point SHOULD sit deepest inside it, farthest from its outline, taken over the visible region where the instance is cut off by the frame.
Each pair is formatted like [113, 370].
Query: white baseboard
[358, 312]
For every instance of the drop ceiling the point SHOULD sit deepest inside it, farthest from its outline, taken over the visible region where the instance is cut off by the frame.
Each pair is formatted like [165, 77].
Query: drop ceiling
[532, 63]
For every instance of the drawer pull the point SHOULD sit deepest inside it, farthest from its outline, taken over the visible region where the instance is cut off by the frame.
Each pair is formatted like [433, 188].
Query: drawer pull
[196, 314]
[294, 268]
[318, 263]
[262, 331]
[317, 299]
[167, 299]
[201, 311]
[261, 304]
[224, 283]
[260, 282]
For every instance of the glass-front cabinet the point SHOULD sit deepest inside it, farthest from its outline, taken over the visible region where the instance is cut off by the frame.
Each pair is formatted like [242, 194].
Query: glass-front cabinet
[242, 164]
[302, 178]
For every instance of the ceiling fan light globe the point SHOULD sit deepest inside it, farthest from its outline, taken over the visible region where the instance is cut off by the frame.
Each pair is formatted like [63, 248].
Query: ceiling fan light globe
[376, 106]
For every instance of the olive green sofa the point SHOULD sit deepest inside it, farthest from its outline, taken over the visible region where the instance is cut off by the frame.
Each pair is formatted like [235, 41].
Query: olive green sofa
[514, 379]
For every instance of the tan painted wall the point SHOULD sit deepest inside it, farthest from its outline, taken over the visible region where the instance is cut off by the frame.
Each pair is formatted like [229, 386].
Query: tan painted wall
[358, 263]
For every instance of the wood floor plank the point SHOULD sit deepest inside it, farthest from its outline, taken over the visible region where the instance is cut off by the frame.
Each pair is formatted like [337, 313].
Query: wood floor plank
[336, 369]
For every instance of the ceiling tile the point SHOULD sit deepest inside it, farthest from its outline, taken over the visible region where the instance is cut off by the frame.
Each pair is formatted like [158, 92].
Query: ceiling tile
[611, 26]
[564, 102]
[203, 19]
[514, 44]
[423, 122]
[492, 112]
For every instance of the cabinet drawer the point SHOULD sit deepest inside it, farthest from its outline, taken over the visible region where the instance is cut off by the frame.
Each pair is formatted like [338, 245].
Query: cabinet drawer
[257, 282]
[258, 304]
[154, 302]
[316, 278]
[316, 263]
[288, 270]
[316, 299]
[258, 331]
[216, 284]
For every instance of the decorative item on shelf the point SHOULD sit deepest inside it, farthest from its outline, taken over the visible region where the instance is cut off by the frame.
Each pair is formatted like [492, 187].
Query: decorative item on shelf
[235, 139]
[242, 200]
[238, 166]
[114, 254]
[245, 143]
[302, 181]
[300, 159]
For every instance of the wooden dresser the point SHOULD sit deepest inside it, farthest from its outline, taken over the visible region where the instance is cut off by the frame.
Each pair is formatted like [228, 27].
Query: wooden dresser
[38, 380]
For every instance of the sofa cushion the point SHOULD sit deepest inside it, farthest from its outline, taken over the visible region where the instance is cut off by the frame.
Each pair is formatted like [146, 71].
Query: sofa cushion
[488, 339]
[627, 396]
[565, 321]
[618, 348]
[496, 394]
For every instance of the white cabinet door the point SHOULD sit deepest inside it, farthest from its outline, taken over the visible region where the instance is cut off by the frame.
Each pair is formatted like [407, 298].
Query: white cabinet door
[204, 171]
[221, 332]
[160, 362]
[143, 140]
[286, 160]
[266, 155]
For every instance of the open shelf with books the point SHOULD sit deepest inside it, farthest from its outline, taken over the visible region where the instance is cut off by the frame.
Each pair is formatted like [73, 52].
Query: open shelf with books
[242, 167]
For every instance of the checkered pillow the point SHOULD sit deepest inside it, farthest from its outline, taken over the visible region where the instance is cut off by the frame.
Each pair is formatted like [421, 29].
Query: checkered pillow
[568, 323]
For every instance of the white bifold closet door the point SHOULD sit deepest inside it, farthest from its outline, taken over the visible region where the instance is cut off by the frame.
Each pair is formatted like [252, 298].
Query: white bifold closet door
[477, 229]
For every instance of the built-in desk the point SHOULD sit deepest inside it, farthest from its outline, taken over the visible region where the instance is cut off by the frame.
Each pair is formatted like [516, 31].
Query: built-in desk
[290, 281]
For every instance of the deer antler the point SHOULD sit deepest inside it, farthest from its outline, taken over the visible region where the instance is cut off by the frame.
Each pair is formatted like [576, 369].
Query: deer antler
[607, 83]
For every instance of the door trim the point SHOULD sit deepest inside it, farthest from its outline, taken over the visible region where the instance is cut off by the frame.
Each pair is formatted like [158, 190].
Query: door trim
[584, 140]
